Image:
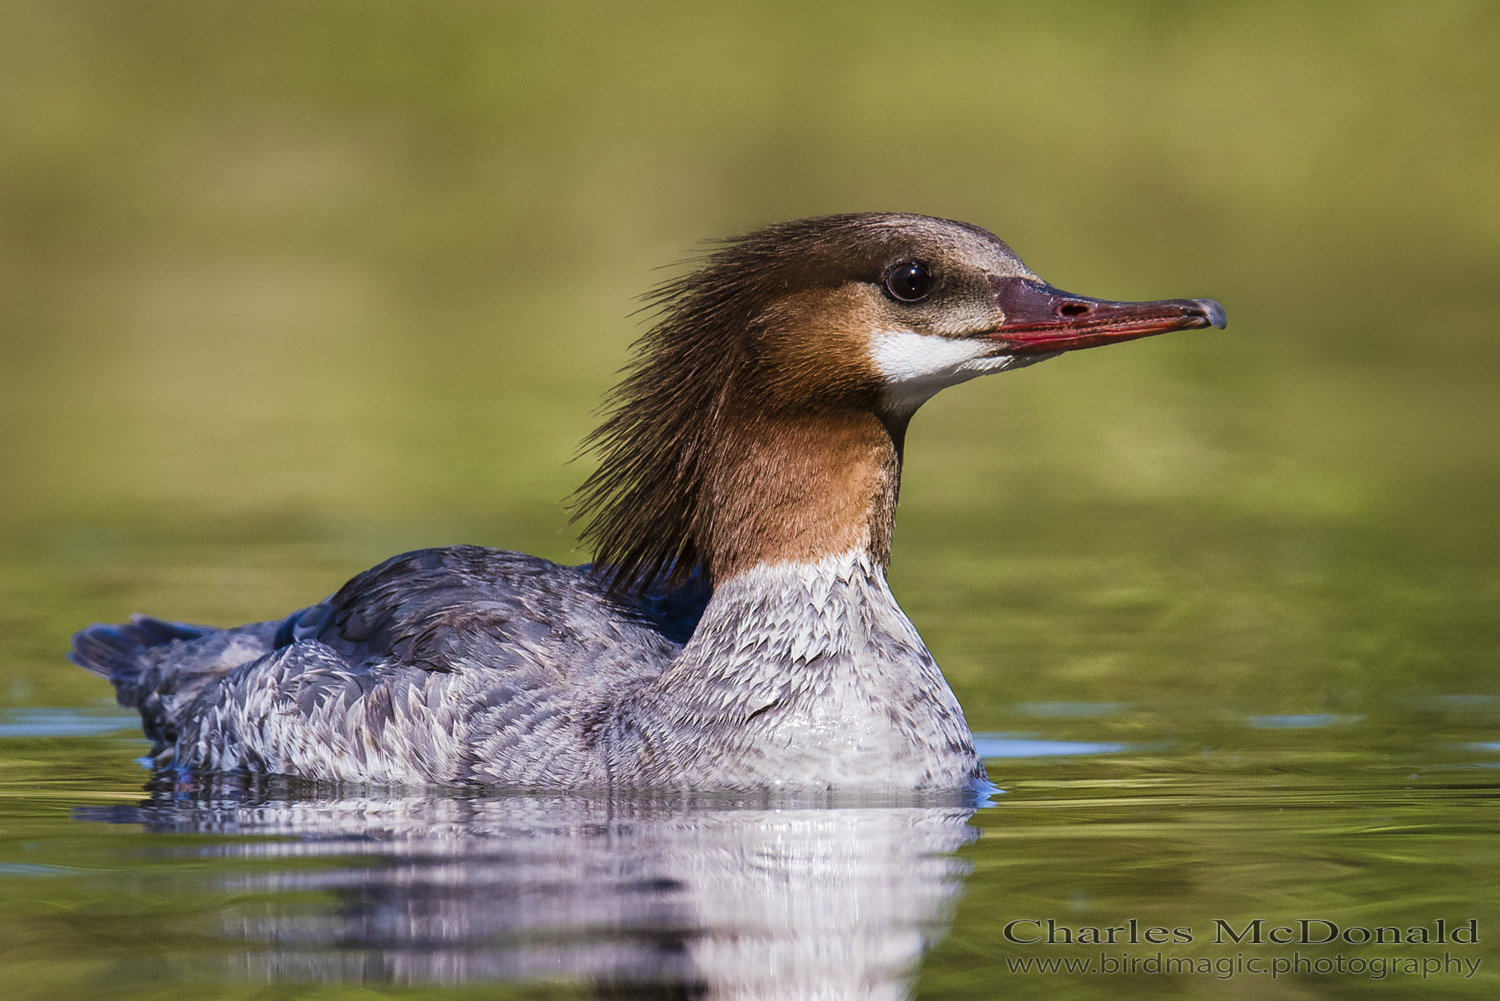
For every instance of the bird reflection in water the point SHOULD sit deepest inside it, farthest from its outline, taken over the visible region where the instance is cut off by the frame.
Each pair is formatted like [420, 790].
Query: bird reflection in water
[639, 896]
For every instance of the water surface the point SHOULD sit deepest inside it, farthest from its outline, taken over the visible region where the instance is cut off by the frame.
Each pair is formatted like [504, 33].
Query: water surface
[120, 888]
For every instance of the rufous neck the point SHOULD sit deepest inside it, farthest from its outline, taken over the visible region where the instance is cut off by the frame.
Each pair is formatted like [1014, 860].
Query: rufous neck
[800, 488]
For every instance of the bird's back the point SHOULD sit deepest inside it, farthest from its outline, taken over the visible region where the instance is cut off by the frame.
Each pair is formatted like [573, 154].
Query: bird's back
[459, 664]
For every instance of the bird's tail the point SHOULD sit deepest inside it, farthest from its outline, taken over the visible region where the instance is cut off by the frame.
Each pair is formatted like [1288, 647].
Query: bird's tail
[114, 652]
[160, 667]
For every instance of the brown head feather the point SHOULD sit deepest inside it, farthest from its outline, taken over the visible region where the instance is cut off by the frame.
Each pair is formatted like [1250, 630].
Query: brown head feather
[756, 379]
[644, 504]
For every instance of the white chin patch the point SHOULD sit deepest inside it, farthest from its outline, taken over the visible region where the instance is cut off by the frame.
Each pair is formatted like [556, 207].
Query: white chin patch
[916, 366]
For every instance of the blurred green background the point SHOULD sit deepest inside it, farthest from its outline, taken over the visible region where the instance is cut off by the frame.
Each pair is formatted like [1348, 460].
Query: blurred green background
[288, 287]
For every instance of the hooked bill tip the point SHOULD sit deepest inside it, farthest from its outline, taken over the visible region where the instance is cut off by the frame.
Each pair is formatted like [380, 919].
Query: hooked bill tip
[1213, 312]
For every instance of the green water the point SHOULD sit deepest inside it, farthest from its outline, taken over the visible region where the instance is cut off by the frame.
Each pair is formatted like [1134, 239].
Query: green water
[1286, 856]
[288, 288]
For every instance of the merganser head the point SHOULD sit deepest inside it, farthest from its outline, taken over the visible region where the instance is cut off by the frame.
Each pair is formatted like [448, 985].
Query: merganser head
[763, 418]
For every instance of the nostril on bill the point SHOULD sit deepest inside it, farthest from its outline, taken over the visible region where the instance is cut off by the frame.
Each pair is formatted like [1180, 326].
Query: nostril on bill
[1073, 308]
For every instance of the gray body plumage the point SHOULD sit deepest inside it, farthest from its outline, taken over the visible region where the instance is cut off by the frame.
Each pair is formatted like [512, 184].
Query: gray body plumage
[475, 666]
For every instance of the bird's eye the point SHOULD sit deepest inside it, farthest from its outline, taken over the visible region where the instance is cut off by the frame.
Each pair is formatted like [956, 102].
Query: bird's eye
[908, 281]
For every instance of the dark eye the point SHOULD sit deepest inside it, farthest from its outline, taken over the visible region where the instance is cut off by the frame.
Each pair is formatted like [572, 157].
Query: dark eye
[908, 281]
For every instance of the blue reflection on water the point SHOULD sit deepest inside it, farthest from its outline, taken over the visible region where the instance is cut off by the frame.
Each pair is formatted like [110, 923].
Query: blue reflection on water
[63, 723]
[999, 745]
[1302, 721]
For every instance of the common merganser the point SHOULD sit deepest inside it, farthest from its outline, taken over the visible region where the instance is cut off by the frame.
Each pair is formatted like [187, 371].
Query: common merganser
[735, 631]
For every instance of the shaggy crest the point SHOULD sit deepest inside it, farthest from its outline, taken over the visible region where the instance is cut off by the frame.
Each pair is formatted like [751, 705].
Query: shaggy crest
[644, 507]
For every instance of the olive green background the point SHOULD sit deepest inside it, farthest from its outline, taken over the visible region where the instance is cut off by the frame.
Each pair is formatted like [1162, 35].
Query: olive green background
[288, 287]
